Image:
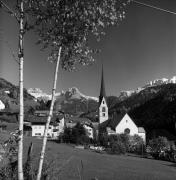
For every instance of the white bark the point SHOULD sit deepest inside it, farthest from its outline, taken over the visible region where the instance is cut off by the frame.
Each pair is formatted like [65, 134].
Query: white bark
[21, 59]
[49, 117]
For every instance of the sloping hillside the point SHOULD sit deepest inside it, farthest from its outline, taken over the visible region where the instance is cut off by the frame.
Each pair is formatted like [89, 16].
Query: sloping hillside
[152, 108]
[9, 96]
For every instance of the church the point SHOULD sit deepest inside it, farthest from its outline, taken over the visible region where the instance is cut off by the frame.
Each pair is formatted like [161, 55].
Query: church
[119, 123]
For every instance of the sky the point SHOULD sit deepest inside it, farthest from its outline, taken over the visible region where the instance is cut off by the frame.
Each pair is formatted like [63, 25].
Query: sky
[142, 48]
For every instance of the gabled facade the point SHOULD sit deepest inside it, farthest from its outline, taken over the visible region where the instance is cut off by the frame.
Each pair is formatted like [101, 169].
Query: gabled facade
[124, 124]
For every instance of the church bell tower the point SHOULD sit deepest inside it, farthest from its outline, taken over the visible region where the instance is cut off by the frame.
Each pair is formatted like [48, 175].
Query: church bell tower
[103, 108]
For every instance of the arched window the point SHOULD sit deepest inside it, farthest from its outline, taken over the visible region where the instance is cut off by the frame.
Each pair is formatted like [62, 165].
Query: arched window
[103, 109]
[127, 131]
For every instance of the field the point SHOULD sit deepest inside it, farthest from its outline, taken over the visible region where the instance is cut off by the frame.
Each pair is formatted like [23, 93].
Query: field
[65, 162]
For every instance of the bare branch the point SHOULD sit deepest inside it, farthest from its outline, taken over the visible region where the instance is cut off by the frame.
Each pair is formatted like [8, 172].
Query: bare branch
[154, 7]
[9, 10]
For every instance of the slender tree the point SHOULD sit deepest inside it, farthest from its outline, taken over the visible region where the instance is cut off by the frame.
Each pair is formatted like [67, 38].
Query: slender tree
[21, 119]
[20, 18]
[21, 15]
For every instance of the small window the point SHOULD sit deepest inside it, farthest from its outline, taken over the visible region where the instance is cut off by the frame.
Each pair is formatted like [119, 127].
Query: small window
[37, 134]
[103, 109]
[103, 114]
[126, 121]
[50, 127]
[55, 130]
[103, 102]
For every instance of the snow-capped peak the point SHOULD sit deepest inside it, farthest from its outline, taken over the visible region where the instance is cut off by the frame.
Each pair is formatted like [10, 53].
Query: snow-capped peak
[75, 93]
[72, 93]
[39, 94]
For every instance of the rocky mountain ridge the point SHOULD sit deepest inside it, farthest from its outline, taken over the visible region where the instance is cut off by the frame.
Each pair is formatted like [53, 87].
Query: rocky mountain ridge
[157, 82]
[71, 93]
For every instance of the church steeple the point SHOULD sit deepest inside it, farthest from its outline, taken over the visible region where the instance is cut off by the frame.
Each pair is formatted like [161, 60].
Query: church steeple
[103, 108]
[102, 89]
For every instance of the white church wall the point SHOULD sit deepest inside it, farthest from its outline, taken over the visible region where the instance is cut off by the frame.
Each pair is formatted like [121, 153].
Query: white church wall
[125, 123]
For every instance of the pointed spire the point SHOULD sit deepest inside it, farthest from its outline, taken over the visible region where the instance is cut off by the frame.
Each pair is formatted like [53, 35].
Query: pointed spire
[102, 90]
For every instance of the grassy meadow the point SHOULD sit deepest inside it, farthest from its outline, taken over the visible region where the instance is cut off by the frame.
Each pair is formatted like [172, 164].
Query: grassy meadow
[67, 163]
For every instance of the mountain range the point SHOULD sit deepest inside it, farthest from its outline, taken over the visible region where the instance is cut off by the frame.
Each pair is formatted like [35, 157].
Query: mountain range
[152, 106]
[156, 82]
[72, 93]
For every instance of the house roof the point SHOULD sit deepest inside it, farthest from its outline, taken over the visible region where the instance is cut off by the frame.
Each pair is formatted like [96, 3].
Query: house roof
[41, 119]
[116, 120]
[141, 130]
[113, 122]
[44, 112]
[110, 131]
[77, 119]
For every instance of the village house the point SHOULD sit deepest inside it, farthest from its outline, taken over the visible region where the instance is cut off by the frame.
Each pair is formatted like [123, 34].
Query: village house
[71, 122]
[89, 130]
[36, 124]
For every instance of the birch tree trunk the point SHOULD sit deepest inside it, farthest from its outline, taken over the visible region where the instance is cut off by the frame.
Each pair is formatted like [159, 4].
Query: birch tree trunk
[21, 59]
[49, 117]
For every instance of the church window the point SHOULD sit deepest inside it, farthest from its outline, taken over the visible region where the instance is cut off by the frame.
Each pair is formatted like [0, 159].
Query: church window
[127, 131]
[103, 109]
[103, 102]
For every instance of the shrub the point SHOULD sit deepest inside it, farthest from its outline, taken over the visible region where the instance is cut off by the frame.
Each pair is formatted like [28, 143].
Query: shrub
[118, 144]
[9, 171]
[159, 144]
[136, 144]
[118, 148]
[103, 139]
[76, 135]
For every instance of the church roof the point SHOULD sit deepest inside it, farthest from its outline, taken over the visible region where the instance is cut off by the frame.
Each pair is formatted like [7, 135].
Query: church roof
[115, 120]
